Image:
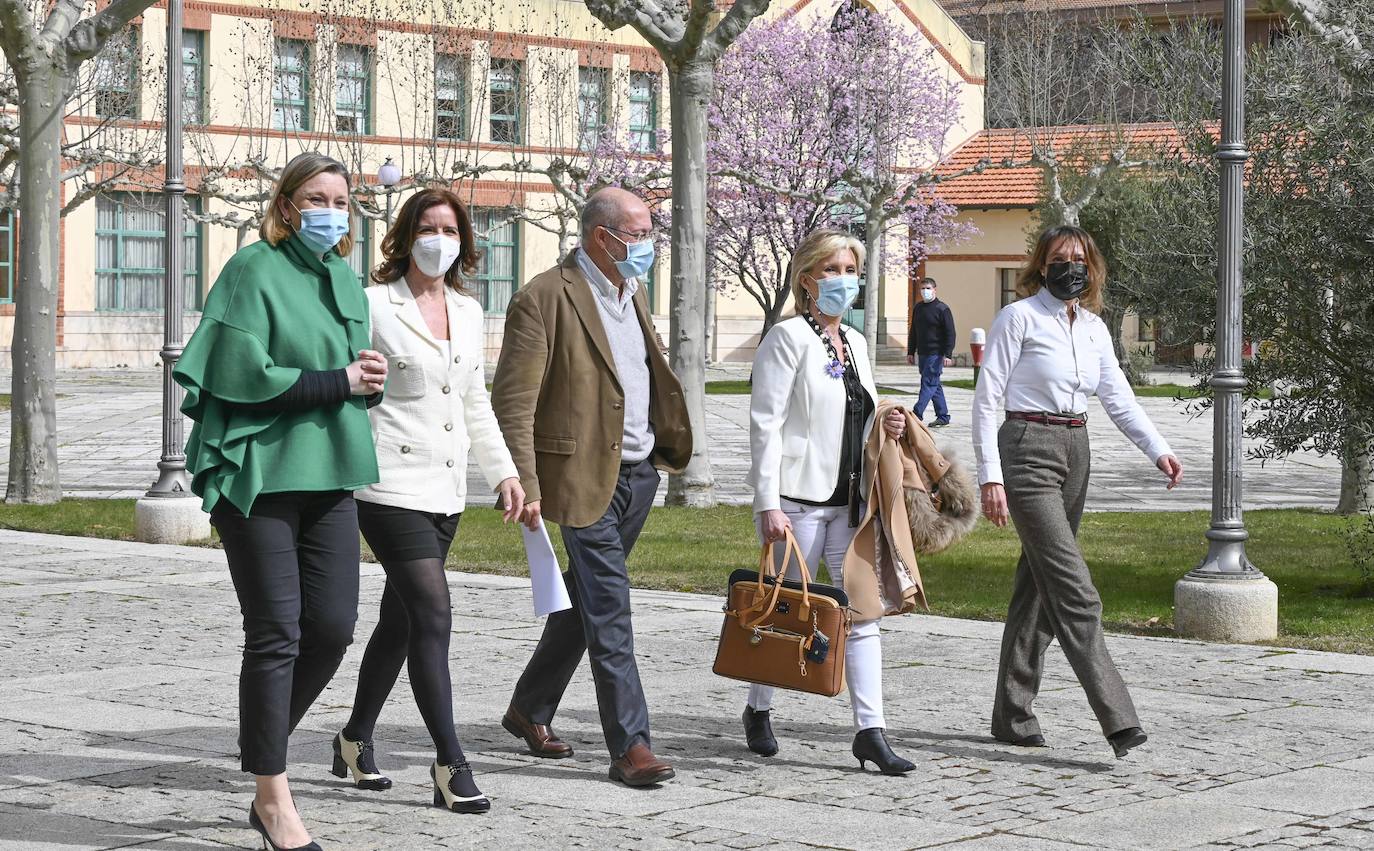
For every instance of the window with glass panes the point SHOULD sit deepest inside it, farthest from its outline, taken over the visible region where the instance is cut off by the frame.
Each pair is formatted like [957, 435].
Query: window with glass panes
[129, 262]
[504, 82]
[360, 258]
[499, 241]
[451, 96]
[116, 76]
[353, 89]
[644, 110]
[6, 256]
[1006, 284]
[591, 106]
[291, 85]
[193, 76]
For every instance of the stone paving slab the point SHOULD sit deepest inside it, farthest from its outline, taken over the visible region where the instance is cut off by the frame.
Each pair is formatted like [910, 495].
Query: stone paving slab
[109, 424]
[119, 721]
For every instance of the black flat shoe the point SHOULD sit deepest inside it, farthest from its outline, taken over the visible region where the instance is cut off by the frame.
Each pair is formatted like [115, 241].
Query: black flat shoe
[758, 732]
[1123, 741]
[357, 758]
[1035, 740]
[455, 790]
[267, 843]
[871, 746]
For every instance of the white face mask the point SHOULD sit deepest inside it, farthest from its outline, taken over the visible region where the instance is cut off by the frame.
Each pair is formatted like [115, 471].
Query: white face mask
[434, 254]
[927, 294]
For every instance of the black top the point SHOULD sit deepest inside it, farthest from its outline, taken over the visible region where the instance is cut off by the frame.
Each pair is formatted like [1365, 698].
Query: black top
[314, 388]
[932, 330]
[858, 407]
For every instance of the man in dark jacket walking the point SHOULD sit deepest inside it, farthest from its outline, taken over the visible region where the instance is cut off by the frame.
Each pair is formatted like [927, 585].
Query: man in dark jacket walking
[931, 339]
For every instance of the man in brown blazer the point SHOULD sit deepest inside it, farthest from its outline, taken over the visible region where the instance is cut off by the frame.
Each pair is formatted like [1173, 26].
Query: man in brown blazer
[591, 412]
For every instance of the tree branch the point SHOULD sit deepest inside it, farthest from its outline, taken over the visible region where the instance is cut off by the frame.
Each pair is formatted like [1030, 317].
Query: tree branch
[741, 14]
[16, 30]
[661, 29]
[89, 36]
[1318, 17]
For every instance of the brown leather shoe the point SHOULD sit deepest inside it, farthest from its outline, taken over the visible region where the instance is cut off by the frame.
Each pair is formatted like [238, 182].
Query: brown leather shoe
[639, 767]
[539, 738]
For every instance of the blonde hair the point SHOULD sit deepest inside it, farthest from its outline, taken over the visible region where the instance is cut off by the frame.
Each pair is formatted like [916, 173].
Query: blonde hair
[815, 248]
[1029, 280]
[301, 169]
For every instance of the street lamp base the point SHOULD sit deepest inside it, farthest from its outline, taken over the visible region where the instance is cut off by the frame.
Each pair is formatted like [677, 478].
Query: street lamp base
[1226, 609]
[170, 520]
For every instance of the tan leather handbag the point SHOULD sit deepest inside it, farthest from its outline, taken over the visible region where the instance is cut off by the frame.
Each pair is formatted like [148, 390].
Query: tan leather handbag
[783, 633]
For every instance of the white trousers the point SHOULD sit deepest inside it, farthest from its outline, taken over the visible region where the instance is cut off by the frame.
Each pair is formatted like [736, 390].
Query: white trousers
[824, 535]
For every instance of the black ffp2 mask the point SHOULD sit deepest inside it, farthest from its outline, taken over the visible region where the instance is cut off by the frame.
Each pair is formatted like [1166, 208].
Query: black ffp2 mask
[1066, 281]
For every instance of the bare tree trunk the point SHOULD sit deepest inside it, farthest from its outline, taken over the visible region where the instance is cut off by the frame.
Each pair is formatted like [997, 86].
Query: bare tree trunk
[873, 264]
[690, 91]
[33, 409]
[1357, 474]
[1115, 317]
[710, 338]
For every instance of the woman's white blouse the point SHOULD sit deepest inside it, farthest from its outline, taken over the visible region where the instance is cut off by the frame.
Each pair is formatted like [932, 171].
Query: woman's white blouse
[1036, 361]
[435, 408]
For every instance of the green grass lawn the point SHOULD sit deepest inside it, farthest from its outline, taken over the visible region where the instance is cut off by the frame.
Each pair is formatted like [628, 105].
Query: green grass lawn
[4, 401]
[1135, 557]
[1166, 391]
[741, 388]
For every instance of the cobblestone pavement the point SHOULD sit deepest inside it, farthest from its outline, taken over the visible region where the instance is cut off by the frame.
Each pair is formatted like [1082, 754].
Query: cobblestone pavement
[119, 720]
[110, 440]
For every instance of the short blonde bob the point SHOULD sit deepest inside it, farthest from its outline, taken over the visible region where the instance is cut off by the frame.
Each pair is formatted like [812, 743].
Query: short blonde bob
[814, 250]
[1029, 280]
[297, 173]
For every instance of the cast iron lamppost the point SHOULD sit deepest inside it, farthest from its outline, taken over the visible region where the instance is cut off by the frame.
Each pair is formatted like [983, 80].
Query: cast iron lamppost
[1226, 597]
[169, 512]
[388, 175]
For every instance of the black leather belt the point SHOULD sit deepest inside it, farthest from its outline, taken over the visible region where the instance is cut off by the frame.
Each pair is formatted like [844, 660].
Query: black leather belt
[1070, 420]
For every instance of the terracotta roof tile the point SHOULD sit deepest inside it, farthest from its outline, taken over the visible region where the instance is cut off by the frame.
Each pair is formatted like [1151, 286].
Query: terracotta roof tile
[997, 186]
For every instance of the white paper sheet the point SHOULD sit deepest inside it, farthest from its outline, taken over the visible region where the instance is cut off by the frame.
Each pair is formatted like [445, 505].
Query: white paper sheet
[546, 580]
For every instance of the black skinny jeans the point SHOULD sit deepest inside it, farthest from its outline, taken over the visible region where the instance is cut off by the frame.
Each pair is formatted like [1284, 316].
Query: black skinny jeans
[294, 562]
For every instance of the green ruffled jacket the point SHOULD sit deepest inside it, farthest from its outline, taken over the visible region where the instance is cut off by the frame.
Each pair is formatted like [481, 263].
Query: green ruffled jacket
[274, 311]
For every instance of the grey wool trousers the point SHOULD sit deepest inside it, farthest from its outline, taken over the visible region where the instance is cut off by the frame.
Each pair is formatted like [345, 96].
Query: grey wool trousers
[1045, 471]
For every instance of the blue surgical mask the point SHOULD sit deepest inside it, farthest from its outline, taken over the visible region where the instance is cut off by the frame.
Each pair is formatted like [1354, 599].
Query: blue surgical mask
[836, 294]
[639, 257]
[321, 229]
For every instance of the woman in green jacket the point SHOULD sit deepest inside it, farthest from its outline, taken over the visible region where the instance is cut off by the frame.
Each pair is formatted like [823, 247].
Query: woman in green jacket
[277, 378]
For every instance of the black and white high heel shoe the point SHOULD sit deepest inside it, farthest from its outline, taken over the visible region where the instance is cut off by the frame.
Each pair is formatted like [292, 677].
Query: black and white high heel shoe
[455, 790]
[267, 843]
[356, 758]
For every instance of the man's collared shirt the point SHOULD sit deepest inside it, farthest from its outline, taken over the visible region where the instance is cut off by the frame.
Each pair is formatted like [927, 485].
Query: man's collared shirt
[606, 292]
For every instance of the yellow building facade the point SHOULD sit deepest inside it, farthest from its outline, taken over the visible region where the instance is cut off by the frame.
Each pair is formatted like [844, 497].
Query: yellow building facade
[481, 94]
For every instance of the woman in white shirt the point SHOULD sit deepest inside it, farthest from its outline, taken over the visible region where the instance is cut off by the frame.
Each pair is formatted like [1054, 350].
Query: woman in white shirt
[434, 410]
[810, 410]
[1046, 354]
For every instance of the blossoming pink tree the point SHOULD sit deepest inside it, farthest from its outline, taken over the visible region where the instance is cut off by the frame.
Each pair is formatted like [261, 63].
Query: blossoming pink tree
[828, 124]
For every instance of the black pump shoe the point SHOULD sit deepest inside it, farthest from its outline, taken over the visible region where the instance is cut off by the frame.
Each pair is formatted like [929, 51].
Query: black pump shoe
[871, 746]
[758, 732]
[356, 758]
[455, 790]
[1034, 740]
[267, 842]
[1123, 740]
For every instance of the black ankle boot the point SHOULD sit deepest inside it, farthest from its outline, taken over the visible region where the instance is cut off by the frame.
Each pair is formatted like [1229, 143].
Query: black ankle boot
[758, 732]
[1123, 740]
[871, 746]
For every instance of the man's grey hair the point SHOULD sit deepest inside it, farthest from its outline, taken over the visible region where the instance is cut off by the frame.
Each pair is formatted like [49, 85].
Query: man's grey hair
[603, 209]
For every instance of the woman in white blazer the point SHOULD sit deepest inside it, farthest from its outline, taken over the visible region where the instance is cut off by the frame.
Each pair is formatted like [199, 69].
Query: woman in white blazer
[435, 409]
[810, 412]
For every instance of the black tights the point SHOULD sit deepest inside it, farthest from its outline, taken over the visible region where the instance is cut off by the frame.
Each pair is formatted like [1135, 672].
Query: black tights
[414, 625]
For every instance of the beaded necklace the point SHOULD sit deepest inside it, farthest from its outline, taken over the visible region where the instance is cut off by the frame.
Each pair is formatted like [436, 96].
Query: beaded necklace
[835, 368]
